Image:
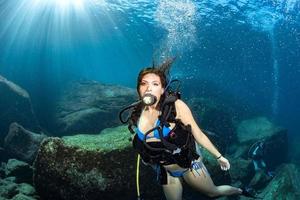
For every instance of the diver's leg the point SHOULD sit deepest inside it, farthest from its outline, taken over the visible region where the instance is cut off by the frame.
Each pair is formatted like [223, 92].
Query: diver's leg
[255, 164]
[201, 181]
[173, 189]
[256, 178]
[263, 164]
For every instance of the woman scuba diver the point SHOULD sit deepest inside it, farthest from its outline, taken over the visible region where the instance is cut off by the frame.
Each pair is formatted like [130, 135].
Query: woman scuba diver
[165, 135]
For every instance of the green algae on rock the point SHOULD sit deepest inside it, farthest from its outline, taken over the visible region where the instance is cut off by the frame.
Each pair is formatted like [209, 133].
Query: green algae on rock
[109, 139]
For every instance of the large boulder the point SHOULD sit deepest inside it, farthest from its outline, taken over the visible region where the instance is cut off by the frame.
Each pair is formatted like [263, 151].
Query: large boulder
[91, 167]
[21, 143]
[89, 107]
[256, 129]
[15, 106]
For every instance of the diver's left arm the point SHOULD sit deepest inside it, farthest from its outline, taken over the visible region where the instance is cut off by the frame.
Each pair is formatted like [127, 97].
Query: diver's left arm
[186, 117]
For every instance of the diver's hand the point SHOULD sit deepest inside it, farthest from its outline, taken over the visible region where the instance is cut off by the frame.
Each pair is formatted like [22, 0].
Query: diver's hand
[224, 163]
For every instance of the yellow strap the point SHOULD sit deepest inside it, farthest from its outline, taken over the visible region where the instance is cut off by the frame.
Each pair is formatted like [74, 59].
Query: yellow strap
[137, 175]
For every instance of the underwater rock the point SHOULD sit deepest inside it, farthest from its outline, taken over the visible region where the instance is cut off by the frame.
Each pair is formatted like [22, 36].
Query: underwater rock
[256, 129]
[22, 171]
[2, 170]
[8, 188]
[11, 190]
[21, 143]
[240, 170]
[259, 180]
[89, 107]
[285, 184]
[294, 150]
[215, 119]
[15, 106]
[26, 189]
[90, 167]
[22, 197]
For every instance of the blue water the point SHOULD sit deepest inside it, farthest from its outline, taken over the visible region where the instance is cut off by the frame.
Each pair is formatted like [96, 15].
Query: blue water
[246, 48]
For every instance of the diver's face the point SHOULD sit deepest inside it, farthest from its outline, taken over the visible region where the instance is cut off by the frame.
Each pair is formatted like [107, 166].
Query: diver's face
[151, 83]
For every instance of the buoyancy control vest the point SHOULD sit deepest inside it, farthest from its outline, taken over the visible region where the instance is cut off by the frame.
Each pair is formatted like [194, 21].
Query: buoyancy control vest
[178, 147]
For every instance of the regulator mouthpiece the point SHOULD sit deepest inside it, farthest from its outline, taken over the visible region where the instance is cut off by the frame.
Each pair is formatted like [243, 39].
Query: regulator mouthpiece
[149, 99]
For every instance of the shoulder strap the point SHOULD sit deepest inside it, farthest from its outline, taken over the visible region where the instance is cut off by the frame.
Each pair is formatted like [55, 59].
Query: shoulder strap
[168, 110]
